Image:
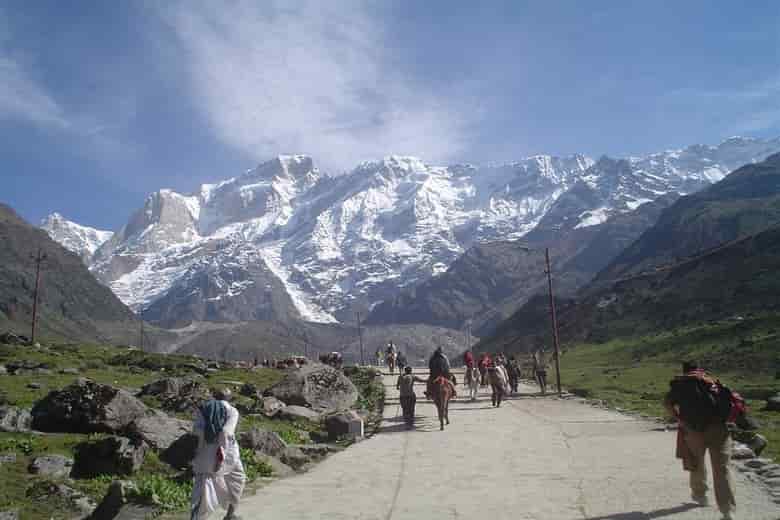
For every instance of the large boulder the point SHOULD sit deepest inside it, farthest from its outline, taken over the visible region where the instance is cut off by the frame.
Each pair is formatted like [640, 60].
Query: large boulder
[294, 457]
[344, 424]
[13, 419]
[320, 387]
[177, 394]
[773, 404]
[158, 429]
[181, 452]
[87, 407]
[162, 387]
[268, 443]
[109, 456]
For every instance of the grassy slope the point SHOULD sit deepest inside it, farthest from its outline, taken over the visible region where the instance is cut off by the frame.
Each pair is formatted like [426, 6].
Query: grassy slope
[99, 363]
[634, 373]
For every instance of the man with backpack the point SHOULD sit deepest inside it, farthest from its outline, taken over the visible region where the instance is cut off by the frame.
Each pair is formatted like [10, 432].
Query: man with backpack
[703, 406]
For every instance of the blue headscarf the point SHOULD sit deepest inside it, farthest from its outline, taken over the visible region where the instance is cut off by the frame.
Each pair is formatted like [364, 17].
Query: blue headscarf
[214, 418]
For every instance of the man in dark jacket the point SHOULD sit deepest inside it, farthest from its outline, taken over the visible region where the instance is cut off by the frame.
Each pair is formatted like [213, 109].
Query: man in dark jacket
[691, 400]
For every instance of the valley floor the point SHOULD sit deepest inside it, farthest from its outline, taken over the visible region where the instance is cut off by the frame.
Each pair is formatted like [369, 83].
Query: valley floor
[534, 458]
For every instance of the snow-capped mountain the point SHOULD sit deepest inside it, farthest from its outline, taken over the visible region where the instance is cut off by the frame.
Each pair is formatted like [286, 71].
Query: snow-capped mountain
[82, 240]
[285, 240]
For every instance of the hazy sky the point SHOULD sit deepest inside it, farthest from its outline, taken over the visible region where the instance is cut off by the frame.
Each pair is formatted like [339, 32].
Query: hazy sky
[103, 102]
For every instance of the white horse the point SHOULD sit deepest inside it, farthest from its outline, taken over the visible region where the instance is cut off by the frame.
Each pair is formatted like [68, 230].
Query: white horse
[472, 382]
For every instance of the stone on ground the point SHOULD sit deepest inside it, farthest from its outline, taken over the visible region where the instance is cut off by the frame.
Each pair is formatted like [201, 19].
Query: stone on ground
[345, 424]
[158, 429]
[110, 456]
[773, 403]
[13, 419]
[54, 466]
[294, 412]
[271, 406]
[318, 386]
[87, 407]
[268, 443]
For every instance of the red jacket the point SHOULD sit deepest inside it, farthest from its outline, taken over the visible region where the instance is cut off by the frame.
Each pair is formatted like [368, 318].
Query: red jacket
[485, 361]
[468, 359]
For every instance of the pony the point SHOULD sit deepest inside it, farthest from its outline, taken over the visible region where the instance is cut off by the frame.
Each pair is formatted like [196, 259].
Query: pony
[390, 359]
[471, 381]
[498, 383]
[441, 392]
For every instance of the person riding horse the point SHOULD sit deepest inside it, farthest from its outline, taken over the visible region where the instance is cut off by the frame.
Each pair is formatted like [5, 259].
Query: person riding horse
[439, 366]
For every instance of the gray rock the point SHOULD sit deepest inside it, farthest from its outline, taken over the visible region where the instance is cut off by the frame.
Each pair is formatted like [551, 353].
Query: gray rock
[54, 466]
[7, 458]
[109, 456]
[773, 403]
[3, 370]
[294, 412]
[773, 482]
[118, 504]
[34, 385]
[344, 424]
[165, 386]
[70, 371]
[180, 454]
[9, 515]
[87, 407]
[158, 429]
[758, 443]
[280, 469]
[13, 419]
[316, 452]
[740, 452]
[320, 387]
[45, 490]
[295, 458]
[43, 371]
[262, 441]
[271, 406]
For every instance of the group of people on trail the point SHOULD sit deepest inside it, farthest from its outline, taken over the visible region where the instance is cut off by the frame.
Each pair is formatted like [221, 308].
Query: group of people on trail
[510, 368]
[391, 357]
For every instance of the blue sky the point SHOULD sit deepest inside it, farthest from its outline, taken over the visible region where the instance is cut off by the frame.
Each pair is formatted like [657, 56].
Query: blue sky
[104, 102]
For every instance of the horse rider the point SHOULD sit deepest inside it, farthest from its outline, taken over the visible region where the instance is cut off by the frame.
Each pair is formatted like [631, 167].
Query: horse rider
[439, 366]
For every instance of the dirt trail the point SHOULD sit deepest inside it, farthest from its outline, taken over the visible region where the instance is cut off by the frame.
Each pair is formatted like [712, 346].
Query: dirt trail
[534, 458]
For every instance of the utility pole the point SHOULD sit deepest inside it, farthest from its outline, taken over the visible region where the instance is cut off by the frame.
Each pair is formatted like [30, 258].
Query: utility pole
[306, 348]
[360, 339]
[141, 315]
[554, 320]
[38, 261]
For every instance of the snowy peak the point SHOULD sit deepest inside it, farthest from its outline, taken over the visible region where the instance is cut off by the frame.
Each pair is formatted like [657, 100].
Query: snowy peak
[82, 240]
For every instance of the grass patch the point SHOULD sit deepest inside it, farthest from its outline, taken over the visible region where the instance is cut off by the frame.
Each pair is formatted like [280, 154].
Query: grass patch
[634, 373]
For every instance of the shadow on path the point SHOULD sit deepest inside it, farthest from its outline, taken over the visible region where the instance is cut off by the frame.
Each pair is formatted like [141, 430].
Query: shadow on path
[639, 515]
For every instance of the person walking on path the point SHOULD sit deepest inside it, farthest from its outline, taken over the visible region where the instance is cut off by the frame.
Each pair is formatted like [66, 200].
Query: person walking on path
[379, 357]
[484, 363]
[468, 359]
[540, 369]
[405, 384]
[439, 366]
[694, 399]
[513, 371]
[219, 474]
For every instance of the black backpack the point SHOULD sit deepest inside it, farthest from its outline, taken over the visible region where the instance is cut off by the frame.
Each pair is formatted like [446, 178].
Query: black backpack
[701, 404]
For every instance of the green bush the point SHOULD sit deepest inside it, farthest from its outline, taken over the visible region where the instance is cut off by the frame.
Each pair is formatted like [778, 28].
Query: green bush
[169, 494]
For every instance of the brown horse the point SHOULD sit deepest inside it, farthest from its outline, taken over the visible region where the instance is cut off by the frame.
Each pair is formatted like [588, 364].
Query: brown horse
[441, 392]
[390, 360]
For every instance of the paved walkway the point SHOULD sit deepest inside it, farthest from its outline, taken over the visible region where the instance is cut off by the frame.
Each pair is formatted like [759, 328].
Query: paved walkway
[534, 458]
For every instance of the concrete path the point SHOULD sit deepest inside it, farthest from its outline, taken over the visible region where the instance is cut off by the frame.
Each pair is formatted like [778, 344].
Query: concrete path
[533, 458]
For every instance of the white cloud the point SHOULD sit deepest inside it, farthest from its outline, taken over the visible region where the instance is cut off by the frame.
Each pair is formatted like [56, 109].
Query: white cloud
[23, 99]
[308, 77]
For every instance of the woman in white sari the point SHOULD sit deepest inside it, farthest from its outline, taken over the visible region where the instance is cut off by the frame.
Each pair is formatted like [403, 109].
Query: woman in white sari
[219, 474]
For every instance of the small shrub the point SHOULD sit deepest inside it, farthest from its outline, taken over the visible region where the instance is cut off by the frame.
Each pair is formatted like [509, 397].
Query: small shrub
[169, 494]
[254, 468]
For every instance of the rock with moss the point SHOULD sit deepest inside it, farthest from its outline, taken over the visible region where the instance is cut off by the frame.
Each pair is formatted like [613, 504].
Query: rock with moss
[317, 386]
[109, 456]
[87, 407]
[262, 441]
[158, 429]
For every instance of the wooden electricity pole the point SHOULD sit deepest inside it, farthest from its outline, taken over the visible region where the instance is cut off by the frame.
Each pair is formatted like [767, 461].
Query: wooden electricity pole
[38, 261]
[360, 339]
[554, 320]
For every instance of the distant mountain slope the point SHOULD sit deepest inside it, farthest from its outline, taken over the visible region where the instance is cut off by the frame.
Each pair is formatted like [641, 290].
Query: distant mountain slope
[745, 202]
[338, 244]
[710, 255]
[491, 281]
[72, 304]
[82, 240]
